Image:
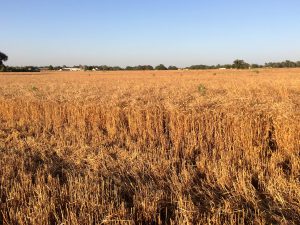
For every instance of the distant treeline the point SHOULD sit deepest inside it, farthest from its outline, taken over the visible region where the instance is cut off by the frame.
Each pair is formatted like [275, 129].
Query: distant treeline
[285, 64]
[19, 69]
[237, 64]
[113, 68]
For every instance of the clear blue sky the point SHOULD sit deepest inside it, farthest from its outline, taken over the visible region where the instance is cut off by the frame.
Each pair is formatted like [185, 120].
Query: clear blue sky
[132, 32]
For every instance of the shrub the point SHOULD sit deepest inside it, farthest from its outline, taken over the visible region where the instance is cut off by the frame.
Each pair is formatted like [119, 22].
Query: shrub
[202, 89]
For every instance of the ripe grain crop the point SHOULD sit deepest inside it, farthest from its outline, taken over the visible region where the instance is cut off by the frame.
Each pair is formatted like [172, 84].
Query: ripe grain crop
[150, 148]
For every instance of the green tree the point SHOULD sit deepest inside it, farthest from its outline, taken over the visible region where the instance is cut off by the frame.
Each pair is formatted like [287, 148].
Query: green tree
[50, 67]
[172, 68]
[240, 64]
[161, 67]
[255, 66]
[3, 57]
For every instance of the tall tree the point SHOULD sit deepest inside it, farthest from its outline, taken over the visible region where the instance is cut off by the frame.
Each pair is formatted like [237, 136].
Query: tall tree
[172, 68]
[240, 64]
[3, 57]
[161, 67]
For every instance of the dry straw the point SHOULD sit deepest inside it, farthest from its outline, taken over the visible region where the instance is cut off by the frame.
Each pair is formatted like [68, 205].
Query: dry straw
[133, 148]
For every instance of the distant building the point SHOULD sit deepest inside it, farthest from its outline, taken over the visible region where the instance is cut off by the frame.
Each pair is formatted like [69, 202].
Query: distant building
[71, 69]
[183, 69]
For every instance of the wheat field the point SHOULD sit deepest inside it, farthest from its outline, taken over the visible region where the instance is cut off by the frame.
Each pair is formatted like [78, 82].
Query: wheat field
[151, 147]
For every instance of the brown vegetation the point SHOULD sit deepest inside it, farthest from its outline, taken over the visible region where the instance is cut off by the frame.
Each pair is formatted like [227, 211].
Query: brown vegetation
[168, 147]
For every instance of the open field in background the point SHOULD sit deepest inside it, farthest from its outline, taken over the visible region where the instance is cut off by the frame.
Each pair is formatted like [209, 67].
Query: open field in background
[153, 147]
